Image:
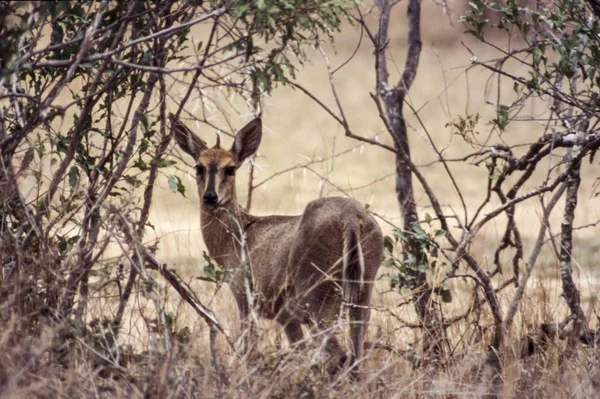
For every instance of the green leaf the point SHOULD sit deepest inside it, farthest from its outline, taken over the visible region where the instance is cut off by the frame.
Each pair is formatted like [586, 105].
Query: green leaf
[427, 218]
[388, 243]
[100, 272]
[132, 181]
[151, 226]
[141, 165]
[146, 57]
[66, 243]
[170, 320]
[27, 158]
[239, 11]
[172, 183]
[419, 230]
[400, 234]
[73, 176]
[163, 163]
[423, 268]
[176, 185]
[62, 144]
[209, 273]
[41, 150]
[144, 125]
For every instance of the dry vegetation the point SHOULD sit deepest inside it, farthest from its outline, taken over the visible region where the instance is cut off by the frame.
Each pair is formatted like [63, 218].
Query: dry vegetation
[164, 349]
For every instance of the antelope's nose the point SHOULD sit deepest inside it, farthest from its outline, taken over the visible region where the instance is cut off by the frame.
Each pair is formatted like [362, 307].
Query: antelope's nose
[210, 198]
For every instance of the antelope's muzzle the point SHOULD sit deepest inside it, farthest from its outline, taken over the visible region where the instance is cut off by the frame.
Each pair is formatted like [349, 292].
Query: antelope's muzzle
[210, 198]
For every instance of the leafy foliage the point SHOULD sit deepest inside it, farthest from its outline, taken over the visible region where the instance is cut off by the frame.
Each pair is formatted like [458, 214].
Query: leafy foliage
[561, 42]
[419, 241]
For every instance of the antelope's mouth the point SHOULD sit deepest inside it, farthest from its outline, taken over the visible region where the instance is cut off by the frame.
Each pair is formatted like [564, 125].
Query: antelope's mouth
[210, 206]
[220, 203]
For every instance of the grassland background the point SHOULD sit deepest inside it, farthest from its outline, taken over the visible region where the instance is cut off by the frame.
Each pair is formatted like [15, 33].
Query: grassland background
[296, 129]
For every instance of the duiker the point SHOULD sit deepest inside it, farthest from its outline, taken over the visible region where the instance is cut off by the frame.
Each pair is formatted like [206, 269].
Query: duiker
[303, 269]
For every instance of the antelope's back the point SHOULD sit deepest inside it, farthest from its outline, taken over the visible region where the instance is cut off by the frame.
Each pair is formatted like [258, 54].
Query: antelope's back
[317, 253]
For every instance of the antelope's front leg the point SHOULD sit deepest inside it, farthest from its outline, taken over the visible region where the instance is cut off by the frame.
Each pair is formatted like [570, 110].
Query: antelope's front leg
[248, 327]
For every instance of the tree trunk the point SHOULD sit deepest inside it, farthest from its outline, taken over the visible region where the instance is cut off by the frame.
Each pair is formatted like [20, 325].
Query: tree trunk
[393, 101]
[570, 291]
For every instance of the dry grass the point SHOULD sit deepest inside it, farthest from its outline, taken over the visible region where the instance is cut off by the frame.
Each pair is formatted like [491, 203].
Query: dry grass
[278, 371]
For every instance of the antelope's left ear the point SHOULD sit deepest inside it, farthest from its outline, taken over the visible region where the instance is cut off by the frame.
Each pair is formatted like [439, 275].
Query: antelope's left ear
[247, 140]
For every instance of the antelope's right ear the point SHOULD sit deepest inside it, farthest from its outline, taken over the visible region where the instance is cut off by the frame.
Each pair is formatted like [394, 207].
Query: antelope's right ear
[187, 140]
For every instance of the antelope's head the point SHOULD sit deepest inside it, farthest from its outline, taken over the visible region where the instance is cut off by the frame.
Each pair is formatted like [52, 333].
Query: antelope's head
[216, 167]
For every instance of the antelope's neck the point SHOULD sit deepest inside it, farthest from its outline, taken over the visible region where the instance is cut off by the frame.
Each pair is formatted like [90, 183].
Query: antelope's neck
[222, 230]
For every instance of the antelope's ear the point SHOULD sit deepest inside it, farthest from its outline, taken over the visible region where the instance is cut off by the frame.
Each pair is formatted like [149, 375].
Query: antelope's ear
[187, 140]
[247, 140]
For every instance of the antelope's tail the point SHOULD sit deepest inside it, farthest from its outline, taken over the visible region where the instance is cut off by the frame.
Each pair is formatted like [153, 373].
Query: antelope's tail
[354, 264]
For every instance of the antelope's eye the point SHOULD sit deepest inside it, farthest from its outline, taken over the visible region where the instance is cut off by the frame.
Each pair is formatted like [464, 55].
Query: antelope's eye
[200, 169]
[230, 170]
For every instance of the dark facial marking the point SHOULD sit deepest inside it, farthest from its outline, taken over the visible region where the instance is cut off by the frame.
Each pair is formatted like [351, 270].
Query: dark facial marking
[212, 173]
[230, 170]
[200, 170]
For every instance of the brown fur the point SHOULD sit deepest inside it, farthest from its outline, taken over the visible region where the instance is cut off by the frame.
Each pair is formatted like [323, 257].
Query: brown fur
[298, 263]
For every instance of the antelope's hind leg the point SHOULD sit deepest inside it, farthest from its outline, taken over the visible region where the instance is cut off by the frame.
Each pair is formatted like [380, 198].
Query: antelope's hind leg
[293, 331]
[338, 354]
[358, 319]
[322, 315]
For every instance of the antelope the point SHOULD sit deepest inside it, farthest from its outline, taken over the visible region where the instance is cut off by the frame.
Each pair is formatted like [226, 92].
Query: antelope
[303, 269]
